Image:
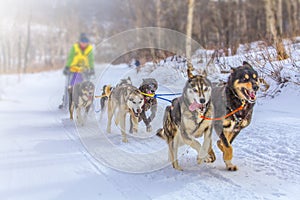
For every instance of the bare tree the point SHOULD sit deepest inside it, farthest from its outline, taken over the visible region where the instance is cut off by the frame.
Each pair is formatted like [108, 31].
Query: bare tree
[273, 9]
[189, 25]
[26, 52]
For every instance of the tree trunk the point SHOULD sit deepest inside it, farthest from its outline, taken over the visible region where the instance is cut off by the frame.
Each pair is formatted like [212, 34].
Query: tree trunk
[279, 17]
[295, 4]
[19, 55]
[271, 13]
[270, 21]
[26, 52]
[189, 26]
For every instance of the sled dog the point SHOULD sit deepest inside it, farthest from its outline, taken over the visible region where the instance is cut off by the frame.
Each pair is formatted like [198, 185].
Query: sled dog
[182, 124]
[122, 100]
[148, 86]
[108, 88]
[238, 96]
[81, 98]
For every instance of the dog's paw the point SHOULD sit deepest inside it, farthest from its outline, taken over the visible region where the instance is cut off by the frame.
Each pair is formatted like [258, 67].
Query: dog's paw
[125, 140]
[200, 161]
[108, 130]
[209, 159]
[178, 168]
[230, 166]
[149, 128]
[134, 130]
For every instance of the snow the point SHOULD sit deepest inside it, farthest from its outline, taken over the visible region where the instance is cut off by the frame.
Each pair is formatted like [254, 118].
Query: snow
[43, 155]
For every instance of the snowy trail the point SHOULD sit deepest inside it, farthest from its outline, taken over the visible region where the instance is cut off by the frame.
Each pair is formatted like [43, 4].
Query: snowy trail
[44, 156]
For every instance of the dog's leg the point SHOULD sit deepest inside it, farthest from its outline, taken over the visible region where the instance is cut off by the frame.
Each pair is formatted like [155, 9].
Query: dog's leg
[206, 153]
[71, 110]
[79, 116]
[122, 126]
[227, 150]
[135, 123]
[131, 125]
[146, 121]
[192, 143]
[173, 150]
[110, 112]
[86, 112]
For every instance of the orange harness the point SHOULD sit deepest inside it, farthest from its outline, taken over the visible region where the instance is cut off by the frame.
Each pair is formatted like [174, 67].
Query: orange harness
[224, 117]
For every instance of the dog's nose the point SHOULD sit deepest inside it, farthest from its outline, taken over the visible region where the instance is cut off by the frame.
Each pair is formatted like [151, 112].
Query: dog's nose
[202, 100]
[152, 91]
[139, 110]
[255, 87]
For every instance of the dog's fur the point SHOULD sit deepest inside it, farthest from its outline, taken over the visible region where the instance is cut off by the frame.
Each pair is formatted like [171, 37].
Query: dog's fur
[148, 86]
[240, 88]
[108, 88]
[81, 97]
[122, 100]
[182, 124]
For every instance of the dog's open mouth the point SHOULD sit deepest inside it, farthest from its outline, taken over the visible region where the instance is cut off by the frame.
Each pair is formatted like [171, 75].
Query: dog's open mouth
[136, 113]
[90, 97]
[197, 106]
[150, 91]
[250, 95]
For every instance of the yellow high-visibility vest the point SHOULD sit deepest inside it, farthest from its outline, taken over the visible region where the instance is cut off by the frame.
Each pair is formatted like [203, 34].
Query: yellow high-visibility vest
[80, 60]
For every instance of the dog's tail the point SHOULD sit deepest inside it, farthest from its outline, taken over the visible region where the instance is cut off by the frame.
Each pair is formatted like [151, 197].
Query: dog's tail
[106, 91]
[161, 133]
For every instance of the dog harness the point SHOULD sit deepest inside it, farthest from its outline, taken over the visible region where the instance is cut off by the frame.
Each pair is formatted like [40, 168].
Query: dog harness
[225, 116]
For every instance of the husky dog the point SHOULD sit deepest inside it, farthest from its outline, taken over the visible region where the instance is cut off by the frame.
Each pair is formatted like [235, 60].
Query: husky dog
[122, 100]
[108, 88]
[239, 92]
[182, 123]
[81, 97]
[148, 86]
[125, 81]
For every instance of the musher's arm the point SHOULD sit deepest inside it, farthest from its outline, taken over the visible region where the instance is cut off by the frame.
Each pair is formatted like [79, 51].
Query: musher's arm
[70, 57]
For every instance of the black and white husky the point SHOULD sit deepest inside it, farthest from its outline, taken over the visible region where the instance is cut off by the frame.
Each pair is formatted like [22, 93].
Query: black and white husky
[81, 98]
[182, 123]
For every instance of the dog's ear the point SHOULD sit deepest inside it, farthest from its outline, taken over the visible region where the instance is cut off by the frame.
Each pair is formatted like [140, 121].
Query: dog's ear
[204, 73]
[245, 63]
[190, 68]
[232, 70]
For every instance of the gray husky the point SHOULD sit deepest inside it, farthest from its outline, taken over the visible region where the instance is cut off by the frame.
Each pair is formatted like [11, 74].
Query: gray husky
[122, 100]
[182, 123]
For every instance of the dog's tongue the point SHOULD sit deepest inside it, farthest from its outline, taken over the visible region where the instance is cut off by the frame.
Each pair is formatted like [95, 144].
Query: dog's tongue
[252, 95]
[90, 98]
[194, 106]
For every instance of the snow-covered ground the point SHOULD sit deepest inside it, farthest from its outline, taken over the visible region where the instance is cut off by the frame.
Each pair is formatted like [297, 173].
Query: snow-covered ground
[43, 155]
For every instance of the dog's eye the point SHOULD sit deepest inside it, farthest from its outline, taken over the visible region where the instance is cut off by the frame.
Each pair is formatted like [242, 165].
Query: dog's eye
[130, 99]
[205, 89]
[195, 90]
[134, 102]
[140, 102]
